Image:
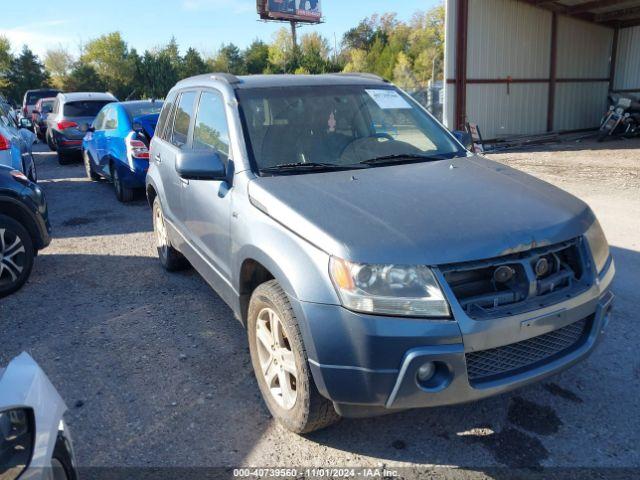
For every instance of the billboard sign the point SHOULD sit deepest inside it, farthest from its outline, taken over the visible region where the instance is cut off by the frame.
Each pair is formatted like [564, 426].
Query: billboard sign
[297, 10]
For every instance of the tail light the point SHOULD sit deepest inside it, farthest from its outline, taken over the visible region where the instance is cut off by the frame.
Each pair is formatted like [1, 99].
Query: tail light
[66, 124]
[137, 149]
[5, 144]
[25, 110]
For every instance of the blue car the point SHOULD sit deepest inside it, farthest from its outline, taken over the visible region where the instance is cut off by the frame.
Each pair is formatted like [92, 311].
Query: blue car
[116, 146]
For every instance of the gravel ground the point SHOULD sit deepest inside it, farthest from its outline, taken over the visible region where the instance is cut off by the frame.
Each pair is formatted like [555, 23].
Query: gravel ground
[156, 371]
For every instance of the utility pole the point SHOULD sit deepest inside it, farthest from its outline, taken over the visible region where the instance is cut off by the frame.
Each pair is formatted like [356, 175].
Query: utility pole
[294, 34]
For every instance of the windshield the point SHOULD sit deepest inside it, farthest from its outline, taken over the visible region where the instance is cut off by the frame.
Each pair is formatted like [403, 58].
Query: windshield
[339, 126]
[139, 109]
[84, 109]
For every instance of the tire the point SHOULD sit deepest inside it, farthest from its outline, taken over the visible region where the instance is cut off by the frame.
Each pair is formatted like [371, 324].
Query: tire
[123, 193]
[170, 258]
[88, 168]
[310, 411]
[16, 253]
[52, 146]
[32, 174]
[63, 158]
[61, 461]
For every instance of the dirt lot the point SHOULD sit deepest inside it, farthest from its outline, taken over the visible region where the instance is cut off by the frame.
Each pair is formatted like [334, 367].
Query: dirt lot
[156, 371]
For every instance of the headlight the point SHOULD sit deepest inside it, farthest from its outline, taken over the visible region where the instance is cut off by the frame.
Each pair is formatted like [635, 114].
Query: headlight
[410, 291]
[598, 245]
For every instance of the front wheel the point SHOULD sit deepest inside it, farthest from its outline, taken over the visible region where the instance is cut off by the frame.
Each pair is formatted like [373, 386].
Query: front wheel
[50, 142]
[16, 255]
[281, 365]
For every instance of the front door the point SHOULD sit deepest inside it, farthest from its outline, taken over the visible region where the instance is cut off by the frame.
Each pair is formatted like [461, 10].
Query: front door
[206, 205]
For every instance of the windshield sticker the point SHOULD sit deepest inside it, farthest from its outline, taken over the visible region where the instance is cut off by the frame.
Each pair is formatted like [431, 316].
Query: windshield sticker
[332, 122]
[389, 100]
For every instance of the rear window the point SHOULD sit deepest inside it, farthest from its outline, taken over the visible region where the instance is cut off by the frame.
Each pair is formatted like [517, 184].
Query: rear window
[143, 108]
[84, 109]
[33, 97]
[47, 107]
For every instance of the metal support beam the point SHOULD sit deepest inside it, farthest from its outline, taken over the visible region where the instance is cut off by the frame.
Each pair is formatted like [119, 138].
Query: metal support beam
[553, 72]
[614, 56]
[462, 24]
[622, 14]
[593, 5]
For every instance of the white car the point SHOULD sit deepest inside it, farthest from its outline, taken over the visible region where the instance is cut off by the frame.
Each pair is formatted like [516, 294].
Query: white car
[34, 441]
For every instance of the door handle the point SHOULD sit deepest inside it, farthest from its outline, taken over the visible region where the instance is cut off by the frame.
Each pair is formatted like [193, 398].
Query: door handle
[158, 158]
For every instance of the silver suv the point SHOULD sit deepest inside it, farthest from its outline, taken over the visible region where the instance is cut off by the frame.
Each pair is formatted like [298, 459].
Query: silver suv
[376, 264]
[68, 121]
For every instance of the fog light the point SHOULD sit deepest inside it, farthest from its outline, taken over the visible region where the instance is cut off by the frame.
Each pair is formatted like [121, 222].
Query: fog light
[426, 371]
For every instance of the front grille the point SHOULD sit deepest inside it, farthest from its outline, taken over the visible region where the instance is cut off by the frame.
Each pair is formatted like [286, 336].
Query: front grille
[510, 359]
[483, 294]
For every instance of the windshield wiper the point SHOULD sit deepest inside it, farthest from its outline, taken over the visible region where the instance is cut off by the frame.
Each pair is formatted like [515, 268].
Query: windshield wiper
[408, 157]
[308, 166]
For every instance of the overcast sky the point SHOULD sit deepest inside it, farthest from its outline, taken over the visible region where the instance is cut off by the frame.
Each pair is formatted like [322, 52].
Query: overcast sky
[203, 24]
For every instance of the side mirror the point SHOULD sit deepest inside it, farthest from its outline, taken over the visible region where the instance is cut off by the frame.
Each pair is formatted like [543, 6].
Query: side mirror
[90, 128]
[195, 165]
[17, 438]
[26, 123]
[464, 138]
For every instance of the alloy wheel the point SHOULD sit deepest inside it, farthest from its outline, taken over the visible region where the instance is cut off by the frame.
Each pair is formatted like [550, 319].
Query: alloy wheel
[162, 240]
[277, 360]
[12, 257]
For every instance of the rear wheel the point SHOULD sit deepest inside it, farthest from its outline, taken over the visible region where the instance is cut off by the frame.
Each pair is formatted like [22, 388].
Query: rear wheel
[50, 142]
[123, 193]
[16, 255]
[170, 258]
[281, 365]
[88, 168]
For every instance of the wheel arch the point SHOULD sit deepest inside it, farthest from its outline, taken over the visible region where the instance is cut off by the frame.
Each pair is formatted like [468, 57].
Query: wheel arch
[14, 209]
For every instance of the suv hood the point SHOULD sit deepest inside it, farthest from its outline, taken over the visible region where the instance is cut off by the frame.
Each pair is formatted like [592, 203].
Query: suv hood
[426, 213]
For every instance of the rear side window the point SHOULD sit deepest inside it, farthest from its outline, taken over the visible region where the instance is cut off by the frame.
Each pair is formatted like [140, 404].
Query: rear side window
[111, 119]
[33, 97]
[98, 123]
[211, 131]
[83, 109]
[164, 115]
[182, 119]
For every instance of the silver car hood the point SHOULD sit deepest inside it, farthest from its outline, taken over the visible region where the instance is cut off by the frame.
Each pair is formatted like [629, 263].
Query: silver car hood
[426, 213]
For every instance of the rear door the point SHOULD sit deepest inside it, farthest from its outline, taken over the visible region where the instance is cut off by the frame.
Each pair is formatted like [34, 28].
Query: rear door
[175, 139]
[95, 140]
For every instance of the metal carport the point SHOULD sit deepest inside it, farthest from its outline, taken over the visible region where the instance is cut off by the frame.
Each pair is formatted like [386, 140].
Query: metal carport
[518, 67]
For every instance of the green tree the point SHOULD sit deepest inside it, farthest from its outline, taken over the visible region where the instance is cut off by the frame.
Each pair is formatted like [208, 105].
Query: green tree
[108, 56]
[229, 60]
[157, 74]
[256, 57]
[83, 78]
[314, 53]
[192, 64]
[26, 73]
[58, 63]
[282, 54]
[6, 60]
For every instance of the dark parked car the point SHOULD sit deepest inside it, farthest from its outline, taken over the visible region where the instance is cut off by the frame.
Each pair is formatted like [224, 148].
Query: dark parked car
[72, 115]
[24, 228]
[31, 97]
[376, 263]
[39, 116]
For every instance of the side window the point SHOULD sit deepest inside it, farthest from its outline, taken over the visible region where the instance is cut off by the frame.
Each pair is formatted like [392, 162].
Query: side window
[161, 129]
[111, 119]
[211, 131]
[98, 123]
[182, 119]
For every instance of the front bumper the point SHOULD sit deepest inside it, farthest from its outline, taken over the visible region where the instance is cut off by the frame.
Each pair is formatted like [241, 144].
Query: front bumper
[367, 365]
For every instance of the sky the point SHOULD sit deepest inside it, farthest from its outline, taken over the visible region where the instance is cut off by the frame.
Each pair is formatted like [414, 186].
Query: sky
[145, 24]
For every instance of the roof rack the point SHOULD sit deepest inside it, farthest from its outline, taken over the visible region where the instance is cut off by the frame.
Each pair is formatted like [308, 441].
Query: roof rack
[369, 76]
[226, 77]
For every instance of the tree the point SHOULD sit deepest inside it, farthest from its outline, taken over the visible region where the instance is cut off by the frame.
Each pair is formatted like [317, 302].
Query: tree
[58, 63]
[314, 53]
[108, 56]
[83, 78]
[282, 55]
[192, 64]
[6, 60]
[157, 74]
[256, 57]
[26, 73]
[229, 60]
[403, 73]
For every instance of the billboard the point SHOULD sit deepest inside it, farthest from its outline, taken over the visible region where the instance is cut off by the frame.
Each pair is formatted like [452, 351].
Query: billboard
[297, 10]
